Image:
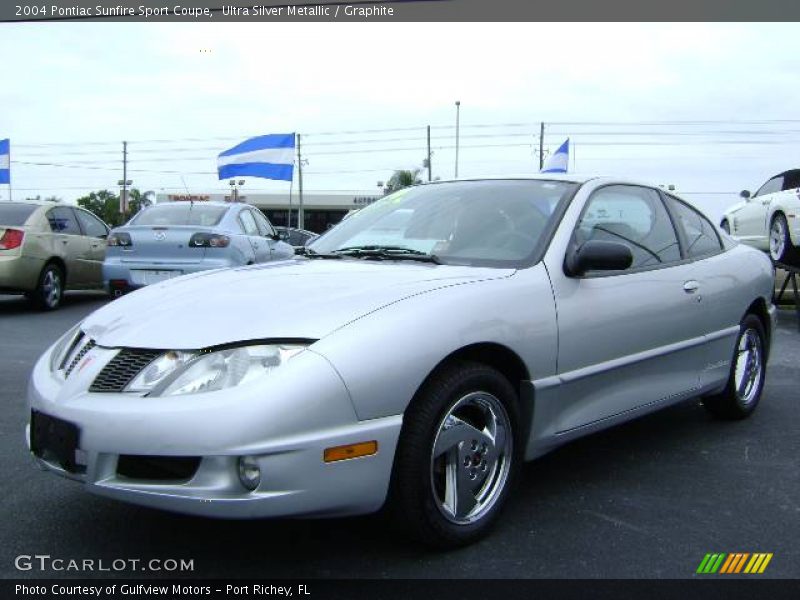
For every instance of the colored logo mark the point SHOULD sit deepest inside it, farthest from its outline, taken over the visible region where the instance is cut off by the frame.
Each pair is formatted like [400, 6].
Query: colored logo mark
[737, 562]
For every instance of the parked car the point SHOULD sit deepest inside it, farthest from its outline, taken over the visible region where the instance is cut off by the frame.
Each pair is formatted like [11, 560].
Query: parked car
[172, 239]
[297, 238]
[505, 318]
[769, 219]
[46, 248]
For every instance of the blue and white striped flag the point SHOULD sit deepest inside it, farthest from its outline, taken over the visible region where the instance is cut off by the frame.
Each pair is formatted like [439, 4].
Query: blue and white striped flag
[558, 162]
[267, 156]
[5, 161]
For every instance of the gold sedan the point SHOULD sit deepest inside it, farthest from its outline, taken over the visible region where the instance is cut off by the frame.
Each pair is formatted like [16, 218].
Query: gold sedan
[46, 248]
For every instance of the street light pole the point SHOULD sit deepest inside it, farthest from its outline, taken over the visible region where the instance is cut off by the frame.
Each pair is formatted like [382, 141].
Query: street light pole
[458, 114]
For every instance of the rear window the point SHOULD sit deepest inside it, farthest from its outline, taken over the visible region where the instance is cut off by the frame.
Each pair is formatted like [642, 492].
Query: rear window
[12, 213]
[180, 214]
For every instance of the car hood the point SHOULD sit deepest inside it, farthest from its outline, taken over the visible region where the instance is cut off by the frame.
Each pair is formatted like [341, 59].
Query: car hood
[299, 298]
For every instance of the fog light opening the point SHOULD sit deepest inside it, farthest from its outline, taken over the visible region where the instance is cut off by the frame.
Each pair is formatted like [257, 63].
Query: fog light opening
[249, 472]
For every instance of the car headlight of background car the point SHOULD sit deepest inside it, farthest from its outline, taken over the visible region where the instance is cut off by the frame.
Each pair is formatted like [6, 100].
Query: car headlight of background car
[177, 373]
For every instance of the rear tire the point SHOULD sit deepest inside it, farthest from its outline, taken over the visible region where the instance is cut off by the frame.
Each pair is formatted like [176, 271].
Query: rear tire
[780, 242]
[748, 372]
[457, 457]
[50, 289]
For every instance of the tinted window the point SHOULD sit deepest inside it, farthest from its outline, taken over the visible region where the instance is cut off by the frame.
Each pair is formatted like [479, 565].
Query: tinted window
[632, 216]
[264, 226]
[248, 222]
[14, 213]
[92, 226]
[62, 220]
[496, 223]
[180, 214]
[298, 238]
[773, 185]
[701, 236]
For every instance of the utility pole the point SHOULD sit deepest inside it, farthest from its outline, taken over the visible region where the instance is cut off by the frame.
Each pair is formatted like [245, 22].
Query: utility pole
[458, 111]
[541, 145]
[429, 153]
[123, 199]
[300, 215]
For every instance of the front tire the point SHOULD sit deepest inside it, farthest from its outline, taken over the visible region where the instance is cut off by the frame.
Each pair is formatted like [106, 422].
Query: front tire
[748, 372]
[457, 457]
[50, 289]
[780, 242]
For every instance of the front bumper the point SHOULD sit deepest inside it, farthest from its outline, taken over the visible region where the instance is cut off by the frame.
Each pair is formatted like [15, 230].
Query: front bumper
[286, 428]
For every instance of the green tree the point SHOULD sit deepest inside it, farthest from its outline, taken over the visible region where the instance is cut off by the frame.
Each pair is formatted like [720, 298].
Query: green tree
[402, 178]
[105, 205]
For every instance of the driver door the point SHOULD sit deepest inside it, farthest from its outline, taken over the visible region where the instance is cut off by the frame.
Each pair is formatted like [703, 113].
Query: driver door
[626, 338]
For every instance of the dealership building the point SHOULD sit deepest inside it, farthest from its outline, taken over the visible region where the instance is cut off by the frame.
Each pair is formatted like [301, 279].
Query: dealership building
[320, 210]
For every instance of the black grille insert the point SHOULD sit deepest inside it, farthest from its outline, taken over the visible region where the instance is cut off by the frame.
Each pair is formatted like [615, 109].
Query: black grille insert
[81, 353]
[160, 468]
[122, 369]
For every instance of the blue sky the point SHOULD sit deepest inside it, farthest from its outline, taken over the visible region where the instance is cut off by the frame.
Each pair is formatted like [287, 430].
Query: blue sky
[73, 91]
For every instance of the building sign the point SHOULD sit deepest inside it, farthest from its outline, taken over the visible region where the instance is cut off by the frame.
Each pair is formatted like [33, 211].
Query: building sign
[188, 197]
[363, 200]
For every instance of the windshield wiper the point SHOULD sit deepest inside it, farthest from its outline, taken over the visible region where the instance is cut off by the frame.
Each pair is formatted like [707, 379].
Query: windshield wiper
[314, 254]
[387, 252]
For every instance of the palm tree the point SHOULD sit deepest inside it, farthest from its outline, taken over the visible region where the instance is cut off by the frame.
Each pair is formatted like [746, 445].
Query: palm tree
[402, 178]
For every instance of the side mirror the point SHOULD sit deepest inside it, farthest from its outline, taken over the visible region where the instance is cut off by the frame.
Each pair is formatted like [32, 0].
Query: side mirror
[745, 194]
[276, 236]
[598, 255]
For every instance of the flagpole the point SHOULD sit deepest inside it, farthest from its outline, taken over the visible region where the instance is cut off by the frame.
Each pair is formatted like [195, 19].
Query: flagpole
[300, 216]
[289, 220]
[10, 198]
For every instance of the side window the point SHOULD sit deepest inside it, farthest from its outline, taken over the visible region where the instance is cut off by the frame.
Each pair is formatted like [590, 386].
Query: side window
[633, 216]
[264, 226]
[701, 236]
[92, 226]
[248, 222]
[773, 185]
[62, 220]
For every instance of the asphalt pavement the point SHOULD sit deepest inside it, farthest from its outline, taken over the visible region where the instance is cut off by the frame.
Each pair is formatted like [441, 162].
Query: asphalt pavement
[647, 499]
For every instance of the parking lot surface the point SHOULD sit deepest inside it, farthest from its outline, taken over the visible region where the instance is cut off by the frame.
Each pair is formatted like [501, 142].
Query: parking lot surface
[646, 499]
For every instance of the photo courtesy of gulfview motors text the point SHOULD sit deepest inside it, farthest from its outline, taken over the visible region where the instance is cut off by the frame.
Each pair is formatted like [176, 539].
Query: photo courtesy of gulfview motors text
[109, 591]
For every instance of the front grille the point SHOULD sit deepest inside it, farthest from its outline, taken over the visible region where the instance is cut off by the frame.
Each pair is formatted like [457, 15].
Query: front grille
[81, 353]
[161, 468]
[122, 369]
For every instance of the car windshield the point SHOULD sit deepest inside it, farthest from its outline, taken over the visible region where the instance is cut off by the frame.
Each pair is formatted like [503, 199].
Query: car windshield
[180, 214]
[482, 223]
[15, 213]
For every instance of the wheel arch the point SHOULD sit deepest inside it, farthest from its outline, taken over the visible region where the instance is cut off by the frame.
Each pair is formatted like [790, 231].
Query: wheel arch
[59, 262]
[759, 309]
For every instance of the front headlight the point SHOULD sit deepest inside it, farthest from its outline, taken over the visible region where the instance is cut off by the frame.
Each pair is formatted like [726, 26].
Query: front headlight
[178, 373]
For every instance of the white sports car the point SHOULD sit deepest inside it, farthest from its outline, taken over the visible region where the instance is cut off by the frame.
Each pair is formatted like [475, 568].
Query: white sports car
[770, 218]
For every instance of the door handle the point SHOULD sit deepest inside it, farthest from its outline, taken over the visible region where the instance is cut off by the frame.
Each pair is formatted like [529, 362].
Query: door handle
[690, 287]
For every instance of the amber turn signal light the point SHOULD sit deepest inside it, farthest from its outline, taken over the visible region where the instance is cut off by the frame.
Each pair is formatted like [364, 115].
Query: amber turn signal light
[350, 451]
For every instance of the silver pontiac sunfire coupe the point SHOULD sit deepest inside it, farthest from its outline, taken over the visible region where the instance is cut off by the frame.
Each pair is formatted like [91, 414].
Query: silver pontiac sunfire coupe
[418, 353]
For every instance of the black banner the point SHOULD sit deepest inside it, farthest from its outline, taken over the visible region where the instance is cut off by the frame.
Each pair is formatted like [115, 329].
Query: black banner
[399, 10]
[462, 589]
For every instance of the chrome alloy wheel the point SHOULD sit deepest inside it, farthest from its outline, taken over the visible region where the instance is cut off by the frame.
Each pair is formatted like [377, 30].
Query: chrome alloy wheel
[51, 286]
[777, 238]
[471, 457]
[749, 369]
